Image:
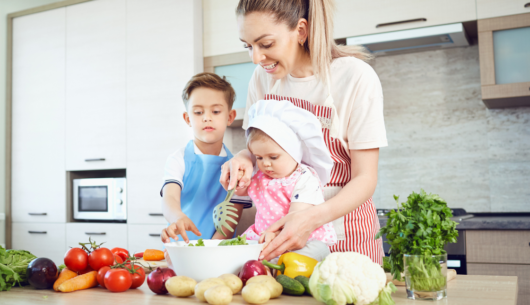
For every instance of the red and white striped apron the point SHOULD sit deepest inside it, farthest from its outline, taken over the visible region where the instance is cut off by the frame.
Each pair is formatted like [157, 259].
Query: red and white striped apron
[355, 231]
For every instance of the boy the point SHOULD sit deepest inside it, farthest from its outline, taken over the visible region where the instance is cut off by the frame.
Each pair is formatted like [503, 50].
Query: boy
[191, 187]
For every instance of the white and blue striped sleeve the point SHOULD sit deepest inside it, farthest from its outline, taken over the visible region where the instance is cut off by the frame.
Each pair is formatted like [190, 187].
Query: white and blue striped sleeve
[174, 169]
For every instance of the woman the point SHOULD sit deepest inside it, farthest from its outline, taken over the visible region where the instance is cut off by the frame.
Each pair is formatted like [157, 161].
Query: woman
[292, 42]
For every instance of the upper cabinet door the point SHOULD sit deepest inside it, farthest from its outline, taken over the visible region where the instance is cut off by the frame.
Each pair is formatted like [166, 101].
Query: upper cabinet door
[96, 85]
[498, 8]
[356, 17]
[38, 128]
[161, 58]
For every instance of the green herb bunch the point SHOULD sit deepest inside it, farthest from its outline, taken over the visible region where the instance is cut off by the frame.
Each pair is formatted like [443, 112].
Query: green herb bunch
[13, 265]
[421, 226]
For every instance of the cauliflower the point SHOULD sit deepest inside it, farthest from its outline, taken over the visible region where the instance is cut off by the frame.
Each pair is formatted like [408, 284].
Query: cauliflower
[350, 278]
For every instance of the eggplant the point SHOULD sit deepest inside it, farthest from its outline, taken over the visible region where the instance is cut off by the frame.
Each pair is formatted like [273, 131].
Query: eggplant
[42, 273]
[250, 269]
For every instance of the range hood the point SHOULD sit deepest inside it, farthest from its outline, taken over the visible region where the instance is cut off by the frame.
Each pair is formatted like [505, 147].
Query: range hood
[414, 40]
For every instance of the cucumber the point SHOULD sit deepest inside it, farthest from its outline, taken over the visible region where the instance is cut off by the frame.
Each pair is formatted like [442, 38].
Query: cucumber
[305, 282]
[290, 286]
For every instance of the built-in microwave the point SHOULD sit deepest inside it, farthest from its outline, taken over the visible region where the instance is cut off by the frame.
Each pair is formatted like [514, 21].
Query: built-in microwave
[100, 199]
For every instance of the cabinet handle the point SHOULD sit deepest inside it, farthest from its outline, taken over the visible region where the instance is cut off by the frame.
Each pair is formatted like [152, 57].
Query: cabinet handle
[154, 234]
[37, 232]
[95, 159]
[156, 214]
[527, 5]
[95, 233]
[401, 22]
[38, 214]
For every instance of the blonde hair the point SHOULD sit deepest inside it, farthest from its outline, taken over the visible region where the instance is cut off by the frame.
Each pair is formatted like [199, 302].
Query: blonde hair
[255, 134]
[212, 81]
[320, 44]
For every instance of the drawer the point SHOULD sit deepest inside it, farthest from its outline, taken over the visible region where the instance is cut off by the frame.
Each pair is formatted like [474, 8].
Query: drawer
[521, 271]
[112, 234]
[41, 239]
[504, 247]
[142, 213]
[143, 237]
[497, 8]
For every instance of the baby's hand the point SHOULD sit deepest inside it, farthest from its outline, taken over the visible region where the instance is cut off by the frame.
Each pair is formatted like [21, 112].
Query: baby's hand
[266, 237]
[180, 227]
[241, 191]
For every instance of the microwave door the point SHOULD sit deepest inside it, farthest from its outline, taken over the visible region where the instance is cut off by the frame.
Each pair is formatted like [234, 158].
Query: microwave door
[91, 199]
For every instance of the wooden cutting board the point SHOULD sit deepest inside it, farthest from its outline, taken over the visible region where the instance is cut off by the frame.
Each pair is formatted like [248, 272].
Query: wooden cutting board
[153, 264]
[451, 274]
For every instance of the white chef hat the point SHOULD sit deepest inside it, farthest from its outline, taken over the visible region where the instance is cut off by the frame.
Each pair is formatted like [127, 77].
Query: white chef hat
[296, 130]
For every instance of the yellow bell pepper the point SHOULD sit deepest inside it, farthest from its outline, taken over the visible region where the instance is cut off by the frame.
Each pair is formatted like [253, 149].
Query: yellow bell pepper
[293, 264]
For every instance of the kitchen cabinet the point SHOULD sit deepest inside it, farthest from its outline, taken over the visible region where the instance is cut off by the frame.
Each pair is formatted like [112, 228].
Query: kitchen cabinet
[38, 159]
[355, 17]
[220, 31]
[96, 85]
[41, 239]
[156, 75]
[143, 237]
[498, 8]
[112, 234]
[504, 50]
[501, 253]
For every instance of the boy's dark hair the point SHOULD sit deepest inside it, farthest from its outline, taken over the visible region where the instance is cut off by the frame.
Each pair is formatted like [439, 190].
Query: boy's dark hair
[212, 81]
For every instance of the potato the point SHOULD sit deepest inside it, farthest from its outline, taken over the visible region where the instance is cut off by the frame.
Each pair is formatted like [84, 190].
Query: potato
[181, 286]
[205, 285]
[275, 288]
[256, 293]
[218, 295]
[233, 281]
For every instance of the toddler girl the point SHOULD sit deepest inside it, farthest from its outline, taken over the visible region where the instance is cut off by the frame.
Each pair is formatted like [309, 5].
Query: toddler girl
[292, 165]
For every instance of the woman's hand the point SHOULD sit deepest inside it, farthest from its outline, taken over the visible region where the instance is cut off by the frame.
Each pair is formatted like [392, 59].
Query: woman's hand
[295, 230]
[179, 227]
[240, 162]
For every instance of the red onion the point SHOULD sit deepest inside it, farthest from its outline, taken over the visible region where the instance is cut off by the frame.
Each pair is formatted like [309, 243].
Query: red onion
[250, 269]
[157, 279]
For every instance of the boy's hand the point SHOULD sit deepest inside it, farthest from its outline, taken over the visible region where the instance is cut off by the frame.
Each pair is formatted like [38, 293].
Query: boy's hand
[180, 227]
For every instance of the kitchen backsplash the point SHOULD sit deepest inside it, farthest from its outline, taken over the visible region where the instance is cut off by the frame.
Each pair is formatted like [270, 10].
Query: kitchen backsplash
[443, 139]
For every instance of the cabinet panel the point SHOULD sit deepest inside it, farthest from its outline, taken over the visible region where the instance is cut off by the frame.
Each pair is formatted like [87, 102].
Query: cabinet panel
[355, 17]
[497, 8]
[156, 75]
[95, 85]
[112, 234]
[521, 271]
[41, 239]
[38, 112]
[220, 28]
[143, 237]
[498, 247]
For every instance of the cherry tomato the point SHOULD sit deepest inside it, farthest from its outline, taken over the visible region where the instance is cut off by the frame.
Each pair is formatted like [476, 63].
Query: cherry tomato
[100, 257]
[118, 280]
[101, 275]
[87, 270]
[138, 278]
[123, 253]
[76, 259]
[117, 259]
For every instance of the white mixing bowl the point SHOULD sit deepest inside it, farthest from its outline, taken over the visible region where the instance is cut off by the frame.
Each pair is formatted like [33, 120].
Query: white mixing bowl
[201, 263]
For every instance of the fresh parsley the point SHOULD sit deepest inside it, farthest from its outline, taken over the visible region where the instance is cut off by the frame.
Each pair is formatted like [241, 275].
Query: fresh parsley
[13, 265]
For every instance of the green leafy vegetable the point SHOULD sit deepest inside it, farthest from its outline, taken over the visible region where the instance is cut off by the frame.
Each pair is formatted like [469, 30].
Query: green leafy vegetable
[200, 243]
[421, 226]
[13, 264]
[386, 264]
[238, 241]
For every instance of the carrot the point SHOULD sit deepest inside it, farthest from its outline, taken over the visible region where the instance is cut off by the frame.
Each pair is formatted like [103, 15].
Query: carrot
[153, 255]
[64, 276]
[85, 281]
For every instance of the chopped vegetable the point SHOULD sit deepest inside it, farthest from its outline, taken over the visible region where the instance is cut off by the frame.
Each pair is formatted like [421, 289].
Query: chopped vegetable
[64, 276]
[13, 265]
[200, 243]
[293, 264]
[80, 282]
[139, 255]
[237, 241]
[421, 226]
[350, 277]
[153, 255]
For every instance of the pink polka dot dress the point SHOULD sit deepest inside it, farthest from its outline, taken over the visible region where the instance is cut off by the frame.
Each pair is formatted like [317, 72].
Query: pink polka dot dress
[272, 198]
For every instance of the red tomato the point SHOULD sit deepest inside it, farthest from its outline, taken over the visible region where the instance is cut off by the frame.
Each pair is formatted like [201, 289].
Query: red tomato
[139, 255]
[101, 275]
[124, 254]
[87, 270]
[138, 278]
[118, 280]
[117, 259]
[76, 259]
[100, 257]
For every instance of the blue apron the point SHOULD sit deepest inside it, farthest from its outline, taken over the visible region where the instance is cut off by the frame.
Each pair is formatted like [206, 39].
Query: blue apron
[202, 190]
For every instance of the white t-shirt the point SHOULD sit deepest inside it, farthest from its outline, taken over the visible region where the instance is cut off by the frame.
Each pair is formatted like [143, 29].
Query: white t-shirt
[357, 95]
[175, 168]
